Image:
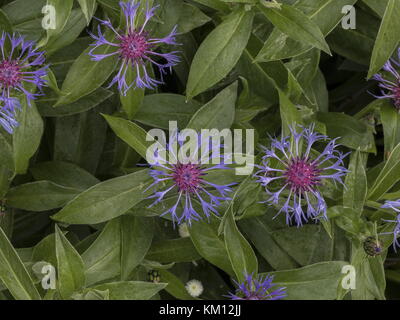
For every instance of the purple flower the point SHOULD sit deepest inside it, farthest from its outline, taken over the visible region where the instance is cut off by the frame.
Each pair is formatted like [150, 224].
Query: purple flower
[390, 88]
[8, 111]
[292, 174]
[134, 47]
[395, 205]
[21, 63]
[259, 288]
[196, 195]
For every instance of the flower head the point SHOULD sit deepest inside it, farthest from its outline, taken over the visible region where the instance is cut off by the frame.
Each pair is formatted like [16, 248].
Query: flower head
[290, 171]
[187, 179]
[258, 288]
[134, 46]
[395, 205]
[390, 88]
[194, 288]
[22, 63]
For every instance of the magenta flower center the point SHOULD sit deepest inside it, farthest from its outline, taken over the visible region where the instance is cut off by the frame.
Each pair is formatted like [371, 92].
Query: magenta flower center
[10, 74]
[133, 46]
[187, 177]
[302, 175]
[396, 96]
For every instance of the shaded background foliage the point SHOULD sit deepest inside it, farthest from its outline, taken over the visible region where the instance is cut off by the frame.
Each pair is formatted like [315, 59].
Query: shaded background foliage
[73, 160]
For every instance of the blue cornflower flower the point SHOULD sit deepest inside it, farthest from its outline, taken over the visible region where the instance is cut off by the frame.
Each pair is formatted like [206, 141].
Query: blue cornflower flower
[135, 47]
[259, 288]
[390, 88]
[23, 63]
[290, 171]
[8, 111]
[187, 178]
[395, 205]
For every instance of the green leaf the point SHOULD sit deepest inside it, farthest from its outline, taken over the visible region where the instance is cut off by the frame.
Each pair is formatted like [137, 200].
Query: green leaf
[355, 193]
[40, 196]
[388, 176]
[181, 14]
[175, 286]
[6, 152]
[70, 266]
[64, 173]
[219, 113]
[62, 10]
[326, 14]
[27, 136]
[88, 7]
[46, 107]
[131, 290]
[5, 23]
[387, 39]
[103, 257]
[296, 25]
[241, 255]
[353, 133]
[378, 6]
[356, 44]
[390, 118]
[370, 275]
[106, 200]
[214, 4]
[73, 28]
[157, 110]
[209, 245]
[306, 245]
[260, 232]
[134, 97]
[13, 274]
[85, 75]
[129, 132]
[306, 283]
[289, 113]
[219, 52]
[175, 250]
[136, 237]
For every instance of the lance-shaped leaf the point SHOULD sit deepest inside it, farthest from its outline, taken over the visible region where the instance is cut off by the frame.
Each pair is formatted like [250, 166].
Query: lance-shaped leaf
[106, 200]
[387, 39]
[219, 113]
[219, 52]
[27, 136]
[129, 132]
[296, 25]
[13, 273]
[70, 266]
[131, 290]
[388, 176]
[241, 255]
